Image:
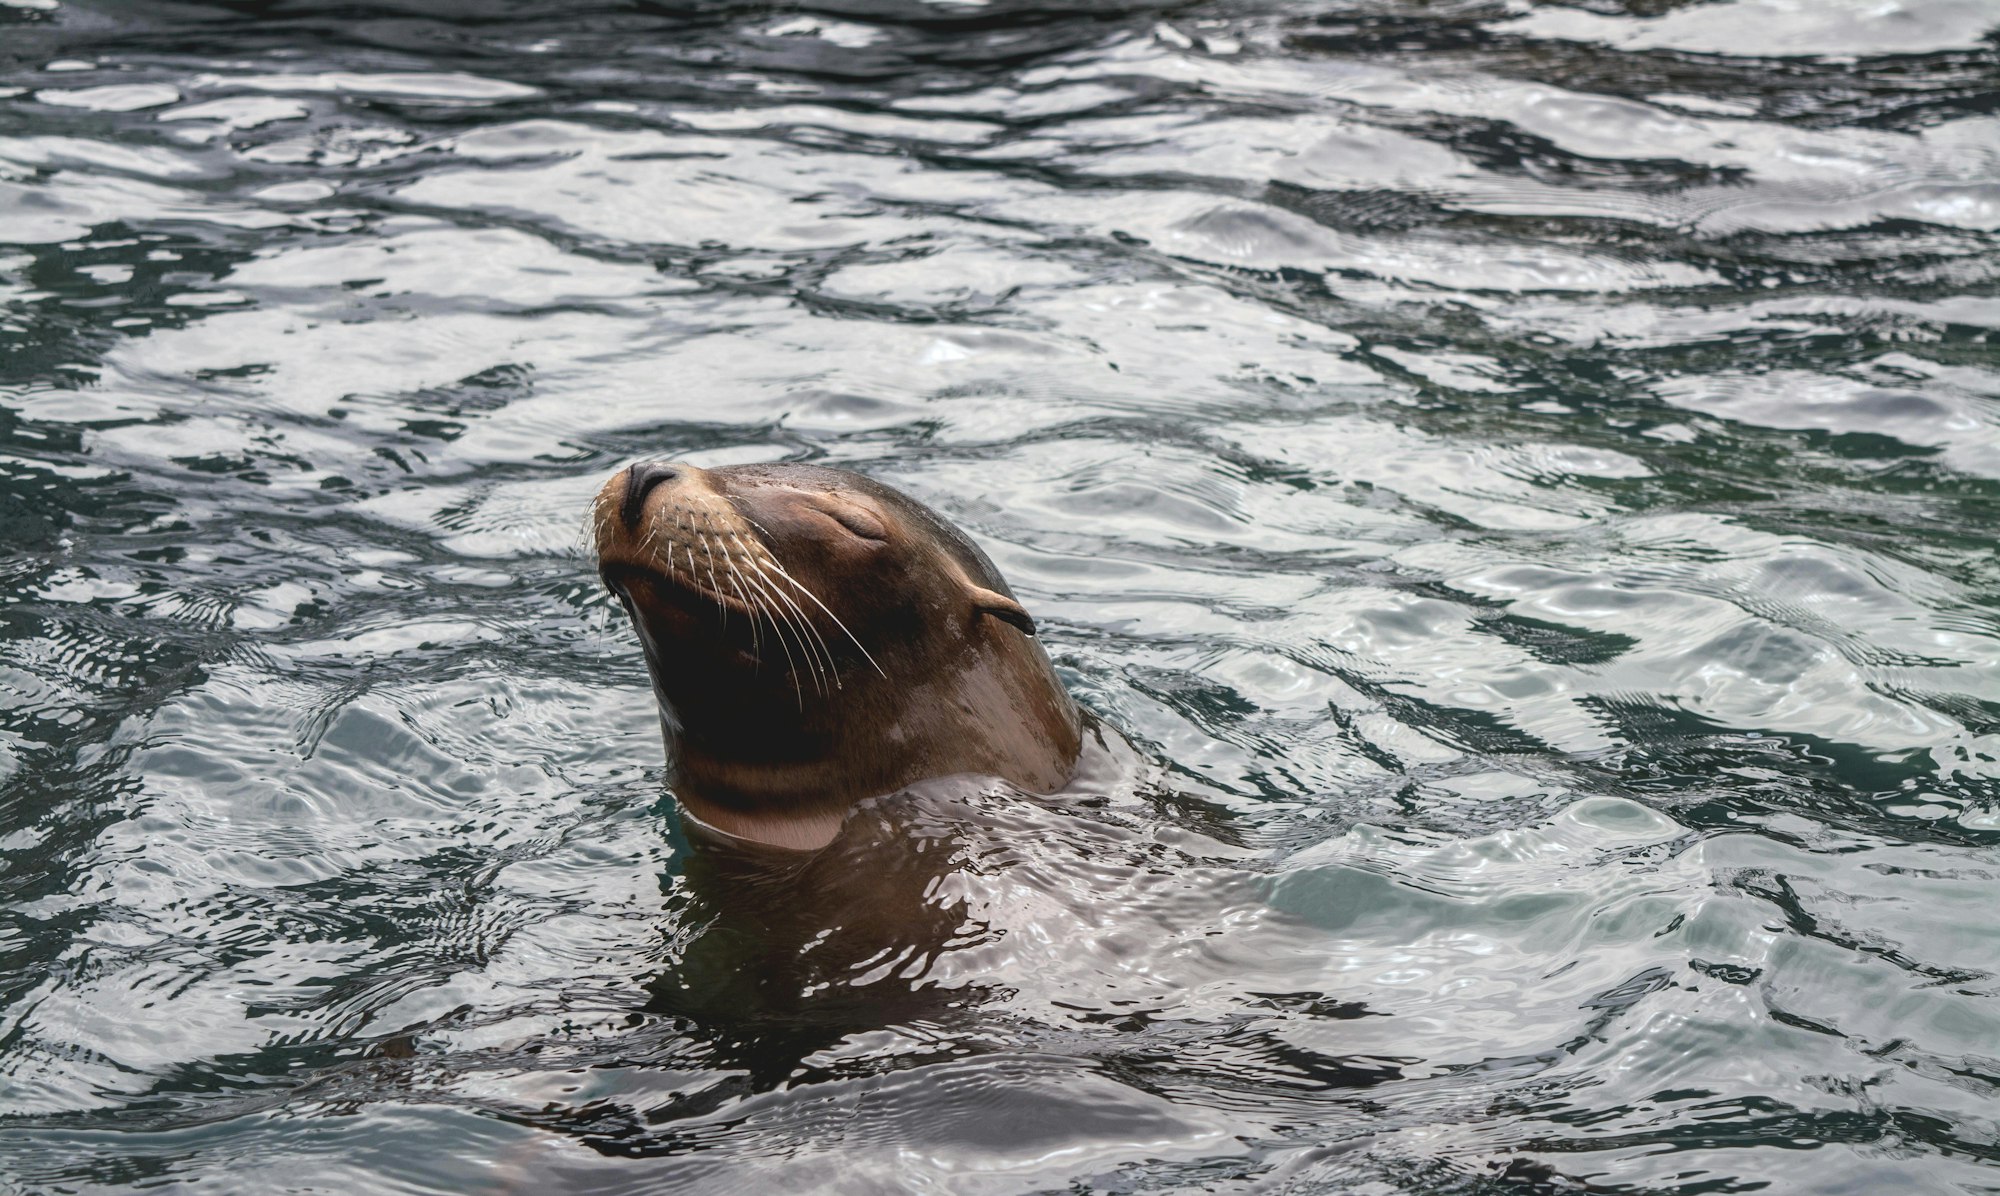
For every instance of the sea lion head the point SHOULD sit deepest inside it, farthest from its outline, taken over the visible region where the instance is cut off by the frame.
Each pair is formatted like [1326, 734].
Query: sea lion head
[816, 638]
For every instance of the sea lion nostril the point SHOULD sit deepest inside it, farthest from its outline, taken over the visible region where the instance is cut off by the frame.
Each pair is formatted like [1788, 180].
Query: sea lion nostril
[639, 482]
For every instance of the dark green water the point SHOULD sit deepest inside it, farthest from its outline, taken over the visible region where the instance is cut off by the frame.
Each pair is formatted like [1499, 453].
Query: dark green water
[1524, 476]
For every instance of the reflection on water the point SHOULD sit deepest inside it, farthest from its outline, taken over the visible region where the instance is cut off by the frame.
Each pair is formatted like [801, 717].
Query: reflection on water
[1522, 475]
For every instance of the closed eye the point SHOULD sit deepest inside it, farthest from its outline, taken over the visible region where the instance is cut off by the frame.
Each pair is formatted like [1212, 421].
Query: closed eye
[857, 521]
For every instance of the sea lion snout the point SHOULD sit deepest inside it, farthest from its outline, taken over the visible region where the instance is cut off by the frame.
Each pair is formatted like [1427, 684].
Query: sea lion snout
[642, 510]
[639, 482]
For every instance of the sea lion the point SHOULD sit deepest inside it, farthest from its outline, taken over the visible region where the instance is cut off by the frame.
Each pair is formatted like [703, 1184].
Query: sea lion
[817, 638]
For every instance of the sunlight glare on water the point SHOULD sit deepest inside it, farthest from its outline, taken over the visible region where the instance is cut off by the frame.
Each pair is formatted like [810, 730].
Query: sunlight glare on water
[1523, 476]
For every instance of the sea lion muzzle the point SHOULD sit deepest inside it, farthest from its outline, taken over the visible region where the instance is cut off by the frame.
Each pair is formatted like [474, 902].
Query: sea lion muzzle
[639, 482]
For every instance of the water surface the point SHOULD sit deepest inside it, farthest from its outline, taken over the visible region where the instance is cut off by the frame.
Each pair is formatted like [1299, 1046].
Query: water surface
[1524, 477]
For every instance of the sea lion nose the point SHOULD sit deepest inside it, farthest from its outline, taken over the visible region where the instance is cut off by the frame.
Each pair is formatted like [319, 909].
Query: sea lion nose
[639, 482]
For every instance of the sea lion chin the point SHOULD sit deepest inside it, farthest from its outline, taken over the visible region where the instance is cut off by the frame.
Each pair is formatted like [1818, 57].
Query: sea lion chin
[815, 639]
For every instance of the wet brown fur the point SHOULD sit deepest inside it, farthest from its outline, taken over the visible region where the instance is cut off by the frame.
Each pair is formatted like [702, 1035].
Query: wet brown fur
[817, 638]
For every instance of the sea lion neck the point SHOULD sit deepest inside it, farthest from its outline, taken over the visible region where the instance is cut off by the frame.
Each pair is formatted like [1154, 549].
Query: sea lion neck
[764, 747]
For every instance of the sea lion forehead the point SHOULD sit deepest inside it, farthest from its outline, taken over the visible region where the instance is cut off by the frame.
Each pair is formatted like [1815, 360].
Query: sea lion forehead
[918, 519]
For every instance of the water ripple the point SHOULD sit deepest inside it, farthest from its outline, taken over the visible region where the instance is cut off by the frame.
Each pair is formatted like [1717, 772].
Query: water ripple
[1514, 482]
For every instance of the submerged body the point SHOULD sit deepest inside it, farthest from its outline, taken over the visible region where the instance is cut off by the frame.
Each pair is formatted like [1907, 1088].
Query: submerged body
[815, 639]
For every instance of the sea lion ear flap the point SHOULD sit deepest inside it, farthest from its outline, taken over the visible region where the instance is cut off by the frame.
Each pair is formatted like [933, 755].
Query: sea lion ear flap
[1003, 608]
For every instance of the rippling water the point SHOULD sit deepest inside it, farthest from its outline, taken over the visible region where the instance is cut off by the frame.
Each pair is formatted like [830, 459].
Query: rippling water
[1524, 477]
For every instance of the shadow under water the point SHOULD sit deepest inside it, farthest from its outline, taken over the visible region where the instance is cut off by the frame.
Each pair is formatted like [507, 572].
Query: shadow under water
[801, 975]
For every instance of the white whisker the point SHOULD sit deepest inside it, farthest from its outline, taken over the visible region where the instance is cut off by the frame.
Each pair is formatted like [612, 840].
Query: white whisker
[801, 626]
[836, 619]
[778, 628]
[803, 619]
[756, 634]
[801, 587]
